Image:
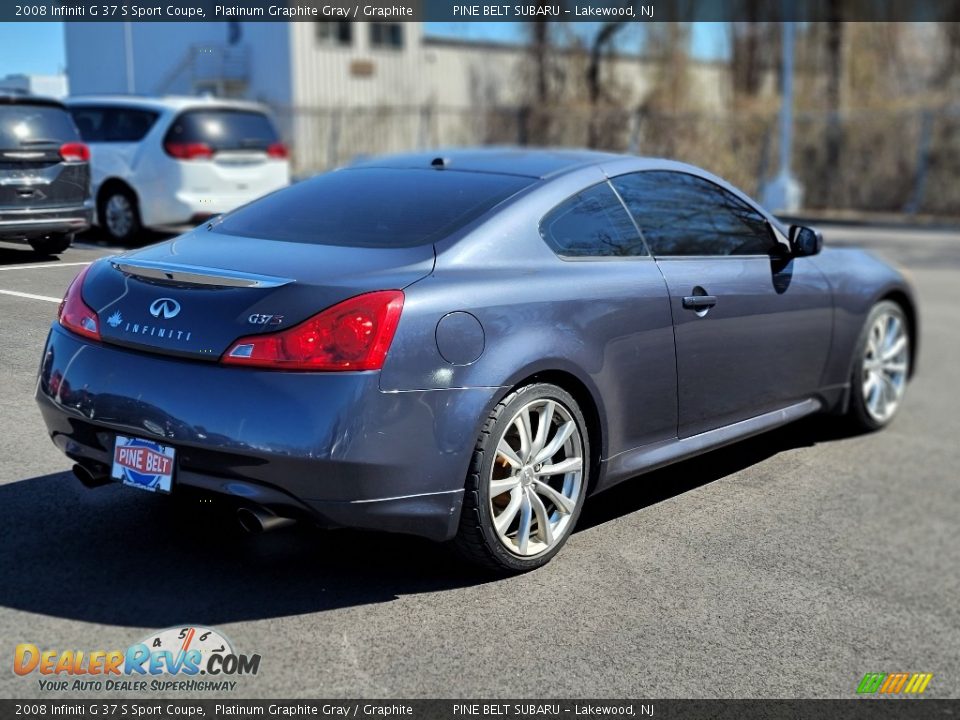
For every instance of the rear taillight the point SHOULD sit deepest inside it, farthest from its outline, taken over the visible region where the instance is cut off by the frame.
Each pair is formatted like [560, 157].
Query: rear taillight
[278, 150]
[74, 314]
[352, 335]
[189, 150]
[74, 152]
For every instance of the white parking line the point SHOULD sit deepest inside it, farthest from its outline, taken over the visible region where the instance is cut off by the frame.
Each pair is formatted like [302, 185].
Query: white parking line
[45, 265]
[29, 296]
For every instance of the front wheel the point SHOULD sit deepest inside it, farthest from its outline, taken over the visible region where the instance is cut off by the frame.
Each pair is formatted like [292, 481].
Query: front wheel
[52, 244]
[527, 481]
[881, 367]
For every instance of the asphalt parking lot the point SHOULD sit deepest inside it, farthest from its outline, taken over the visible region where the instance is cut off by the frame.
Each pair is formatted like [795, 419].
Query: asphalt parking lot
[786, 566]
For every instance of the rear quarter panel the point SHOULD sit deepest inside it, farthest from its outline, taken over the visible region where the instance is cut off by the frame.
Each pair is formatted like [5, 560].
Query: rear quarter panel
[607, 323]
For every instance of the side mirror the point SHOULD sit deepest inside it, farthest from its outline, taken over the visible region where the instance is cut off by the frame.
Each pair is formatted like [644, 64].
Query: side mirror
[805, 241]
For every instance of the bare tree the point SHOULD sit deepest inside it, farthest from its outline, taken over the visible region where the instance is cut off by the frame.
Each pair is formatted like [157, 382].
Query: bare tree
[833, 44]
[754, 52]
[950, 67]
[595, 90]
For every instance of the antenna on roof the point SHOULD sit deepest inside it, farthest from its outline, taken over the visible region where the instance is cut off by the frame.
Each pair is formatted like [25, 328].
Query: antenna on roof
[440, 162]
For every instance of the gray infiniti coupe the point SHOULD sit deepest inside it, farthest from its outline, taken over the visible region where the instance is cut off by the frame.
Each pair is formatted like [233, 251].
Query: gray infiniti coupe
[465, 346]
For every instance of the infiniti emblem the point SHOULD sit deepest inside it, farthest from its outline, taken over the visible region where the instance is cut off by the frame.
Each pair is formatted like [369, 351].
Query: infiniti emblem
[165, 308]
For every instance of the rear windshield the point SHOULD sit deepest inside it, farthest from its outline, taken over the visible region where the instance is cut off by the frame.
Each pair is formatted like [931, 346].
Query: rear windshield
[223, 129]
[373, 207]
[24, 125]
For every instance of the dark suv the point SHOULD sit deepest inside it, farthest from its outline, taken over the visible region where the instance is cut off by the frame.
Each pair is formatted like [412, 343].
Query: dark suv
[44, 174]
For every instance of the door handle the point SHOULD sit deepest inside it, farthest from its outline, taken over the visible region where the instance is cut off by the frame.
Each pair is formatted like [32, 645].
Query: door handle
[699, 302]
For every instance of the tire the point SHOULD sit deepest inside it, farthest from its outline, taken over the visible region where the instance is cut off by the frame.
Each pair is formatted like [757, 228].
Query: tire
[52, 244]
[119, 214]
[523, 499]
[881, 367]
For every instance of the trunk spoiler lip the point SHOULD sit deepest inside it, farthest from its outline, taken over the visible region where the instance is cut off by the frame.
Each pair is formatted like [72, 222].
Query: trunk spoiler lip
[195, 274]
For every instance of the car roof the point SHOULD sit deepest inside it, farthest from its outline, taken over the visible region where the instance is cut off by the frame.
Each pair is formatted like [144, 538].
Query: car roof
[14, 97]
[527, 162]
[167, 102]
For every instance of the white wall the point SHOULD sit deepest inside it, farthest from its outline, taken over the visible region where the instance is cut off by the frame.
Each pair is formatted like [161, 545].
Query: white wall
[329, 75]
[97, 63]
[54, 86]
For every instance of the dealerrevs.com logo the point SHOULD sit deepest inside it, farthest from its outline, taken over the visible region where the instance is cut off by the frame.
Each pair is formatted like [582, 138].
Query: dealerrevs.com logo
[894, 683]
[191, 658]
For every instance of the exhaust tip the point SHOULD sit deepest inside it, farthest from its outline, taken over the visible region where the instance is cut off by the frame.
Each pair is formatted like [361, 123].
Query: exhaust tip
[248, 521]
[257, 520]
[90, 478]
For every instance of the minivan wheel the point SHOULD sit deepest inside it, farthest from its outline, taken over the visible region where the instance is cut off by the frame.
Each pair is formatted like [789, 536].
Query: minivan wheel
[51, 244]
[119, 214]
[881, 367]
[527, 481]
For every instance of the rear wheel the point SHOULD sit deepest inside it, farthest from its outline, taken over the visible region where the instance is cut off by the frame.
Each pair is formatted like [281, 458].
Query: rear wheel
[119, 214]
[881, 367]
[52, 244]
[527, 481]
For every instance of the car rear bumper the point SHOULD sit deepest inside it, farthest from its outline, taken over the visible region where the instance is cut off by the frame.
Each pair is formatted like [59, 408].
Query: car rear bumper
[331, 445]
[37, 222]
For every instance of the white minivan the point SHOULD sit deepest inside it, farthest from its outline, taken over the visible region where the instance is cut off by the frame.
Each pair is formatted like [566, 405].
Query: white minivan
[174, 161]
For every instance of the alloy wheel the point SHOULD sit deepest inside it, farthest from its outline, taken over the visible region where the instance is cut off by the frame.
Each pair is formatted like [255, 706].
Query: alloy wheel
[119, 215]
[536, 478]
[885, 366]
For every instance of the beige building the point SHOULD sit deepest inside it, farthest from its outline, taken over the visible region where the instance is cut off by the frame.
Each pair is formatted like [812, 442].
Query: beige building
[343, 89]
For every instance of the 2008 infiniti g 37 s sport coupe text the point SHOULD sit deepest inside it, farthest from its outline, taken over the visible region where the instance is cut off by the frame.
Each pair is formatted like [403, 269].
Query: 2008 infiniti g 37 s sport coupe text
[465, 347]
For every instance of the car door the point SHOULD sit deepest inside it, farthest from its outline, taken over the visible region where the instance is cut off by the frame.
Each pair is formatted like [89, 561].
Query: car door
[622, 300]
[114, 134]
[752, 324]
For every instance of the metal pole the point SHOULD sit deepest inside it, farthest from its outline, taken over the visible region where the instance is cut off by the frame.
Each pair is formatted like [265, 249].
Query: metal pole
[128, 56]
[783, 193]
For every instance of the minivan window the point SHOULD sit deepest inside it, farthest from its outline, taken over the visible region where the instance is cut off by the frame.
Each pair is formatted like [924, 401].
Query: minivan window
[682, 214]
[592, 223]
[112, 124]
[25, 125]
[223, 129]
[373, 207]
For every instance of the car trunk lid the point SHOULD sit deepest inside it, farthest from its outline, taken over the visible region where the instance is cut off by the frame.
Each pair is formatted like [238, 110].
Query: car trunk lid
[195, 295]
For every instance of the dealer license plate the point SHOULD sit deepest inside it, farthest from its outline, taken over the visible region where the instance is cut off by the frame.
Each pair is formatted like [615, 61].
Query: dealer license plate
[143, 464]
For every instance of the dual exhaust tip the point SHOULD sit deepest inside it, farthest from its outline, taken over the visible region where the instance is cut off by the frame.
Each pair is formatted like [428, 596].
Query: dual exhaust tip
[253, 519]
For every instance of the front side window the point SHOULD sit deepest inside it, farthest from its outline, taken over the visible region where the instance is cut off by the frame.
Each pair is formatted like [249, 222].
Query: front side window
[592, 223]
[386, 35]
[682, 214]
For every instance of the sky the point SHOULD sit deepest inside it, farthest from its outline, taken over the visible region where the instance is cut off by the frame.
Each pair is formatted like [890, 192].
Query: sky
[37, 48]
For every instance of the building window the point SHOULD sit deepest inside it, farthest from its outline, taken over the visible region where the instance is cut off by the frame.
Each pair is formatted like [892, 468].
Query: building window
[334, 33]
[386, 35]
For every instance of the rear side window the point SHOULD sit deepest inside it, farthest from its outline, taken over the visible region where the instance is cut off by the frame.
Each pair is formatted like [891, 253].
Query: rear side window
[113, 124]
[223, 129]
[592, 223]
[25, 125]
[682, 214]
[373, 207]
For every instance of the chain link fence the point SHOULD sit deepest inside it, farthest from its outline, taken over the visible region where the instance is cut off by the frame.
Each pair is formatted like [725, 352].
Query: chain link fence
[891, 161]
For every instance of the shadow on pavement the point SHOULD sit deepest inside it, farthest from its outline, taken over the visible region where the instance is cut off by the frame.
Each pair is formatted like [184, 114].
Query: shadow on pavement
[655, 487]
[119, 557]
[23, 255]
